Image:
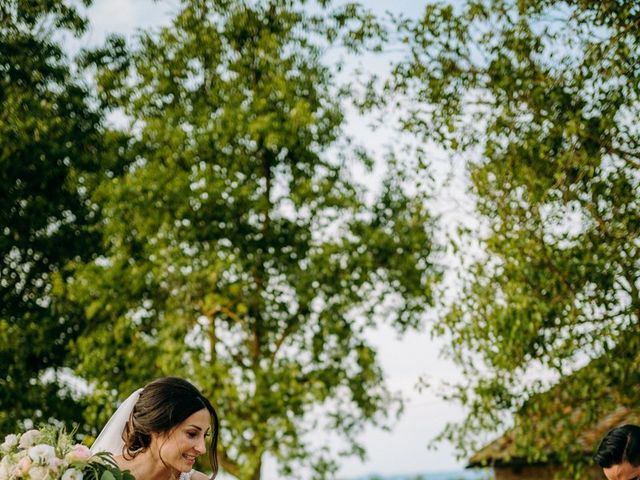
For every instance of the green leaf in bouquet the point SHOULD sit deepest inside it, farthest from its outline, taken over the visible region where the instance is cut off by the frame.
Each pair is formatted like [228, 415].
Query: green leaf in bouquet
[107, 475]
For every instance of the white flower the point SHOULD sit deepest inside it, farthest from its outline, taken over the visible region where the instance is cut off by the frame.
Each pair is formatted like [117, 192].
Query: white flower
[28, 438]
[72, 474]
[6, 467]
[38, 473]
[42, 453]
[10, 441]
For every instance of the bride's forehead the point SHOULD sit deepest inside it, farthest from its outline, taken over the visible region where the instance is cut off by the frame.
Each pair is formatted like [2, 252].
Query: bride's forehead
[201, 418]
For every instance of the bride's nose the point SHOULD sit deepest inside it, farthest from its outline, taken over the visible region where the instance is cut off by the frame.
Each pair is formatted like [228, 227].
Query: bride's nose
[201, 446]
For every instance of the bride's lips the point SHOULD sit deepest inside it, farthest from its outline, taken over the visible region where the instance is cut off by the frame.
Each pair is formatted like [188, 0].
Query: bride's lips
[190, 458]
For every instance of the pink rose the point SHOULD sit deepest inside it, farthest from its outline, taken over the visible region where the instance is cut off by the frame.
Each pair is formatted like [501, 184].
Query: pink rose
[55, 463]
[79, 453]
[23, 466]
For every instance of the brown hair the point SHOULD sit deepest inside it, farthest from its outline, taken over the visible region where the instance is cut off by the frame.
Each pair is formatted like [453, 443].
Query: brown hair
[619, 445]
[163, 404]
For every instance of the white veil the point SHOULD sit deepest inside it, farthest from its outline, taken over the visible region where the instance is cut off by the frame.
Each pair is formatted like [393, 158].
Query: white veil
[110, 438]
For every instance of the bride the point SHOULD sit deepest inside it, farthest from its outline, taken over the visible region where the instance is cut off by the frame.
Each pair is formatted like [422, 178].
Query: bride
[159, 431]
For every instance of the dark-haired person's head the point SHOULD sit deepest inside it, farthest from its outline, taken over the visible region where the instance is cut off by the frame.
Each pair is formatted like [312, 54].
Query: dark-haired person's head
[172, 412]
[619, 453]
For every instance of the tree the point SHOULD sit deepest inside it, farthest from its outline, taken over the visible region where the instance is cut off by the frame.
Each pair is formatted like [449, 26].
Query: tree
[543, 99]
[51, 149]
[239, 250]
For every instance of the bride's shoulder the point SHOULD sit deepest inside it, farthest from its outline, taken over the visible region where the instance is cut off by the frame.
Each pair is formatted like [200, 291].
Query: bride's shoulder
[195, 475]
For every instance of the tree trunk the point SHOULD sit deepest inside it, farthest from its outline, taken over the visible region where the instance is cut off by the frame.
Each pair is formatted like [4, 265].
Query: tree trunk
[257, 472]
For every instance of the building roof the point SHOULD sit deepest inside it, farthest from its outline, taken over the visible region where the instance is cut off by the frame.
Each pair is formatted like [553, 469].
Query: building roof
[502, 451]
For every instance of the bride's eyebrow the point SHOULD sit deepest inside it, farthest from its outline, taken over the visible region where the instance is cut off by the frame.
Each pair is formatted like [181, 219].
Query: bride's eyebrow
[197, 428]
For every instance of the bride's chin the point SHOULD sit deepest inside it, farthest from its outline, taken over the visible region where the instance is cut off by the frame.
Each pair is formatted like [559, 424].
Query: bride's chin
[180, 469]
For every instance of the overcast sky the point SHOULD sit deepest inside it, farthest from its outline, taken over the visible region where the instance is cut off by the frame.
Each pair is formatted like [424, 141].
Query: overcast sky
[404, 360]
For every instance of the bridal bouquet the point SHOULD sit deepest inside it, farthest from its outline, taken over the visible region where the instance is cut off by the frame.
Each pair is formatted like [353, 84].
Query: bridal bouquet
[51, 454]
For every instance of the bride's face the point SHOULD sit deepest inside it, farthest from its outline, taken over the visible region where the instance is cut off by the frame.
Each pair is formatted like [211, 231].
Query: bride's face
[180, 447]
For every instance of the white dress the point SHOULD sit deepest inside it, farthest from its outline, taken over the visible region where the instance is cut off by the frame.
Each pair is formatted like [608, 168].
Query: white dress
[186, 475]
